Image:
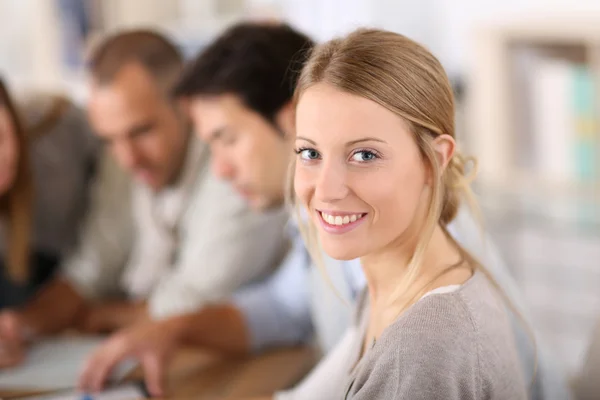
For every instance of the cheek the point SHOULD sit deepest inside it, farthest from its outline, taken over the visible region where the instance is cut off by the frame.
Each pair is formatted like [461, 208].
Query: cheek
[270, 162]
[8, 144]
[303, 184]
[241, 157]
[396, 199]
[153, 146]
[12, 152]
[249, 155]
[8, 164]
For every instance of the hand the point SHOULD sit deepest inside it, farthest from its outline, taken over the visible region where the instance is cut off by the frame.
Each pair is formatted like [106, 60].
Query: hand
[96, 319]
[151, 343]
[12, 339]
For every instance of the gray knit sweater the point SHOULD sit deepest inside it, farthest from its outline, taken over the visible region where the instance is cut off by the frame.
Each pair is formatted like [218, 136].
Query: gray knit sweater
[447, 346]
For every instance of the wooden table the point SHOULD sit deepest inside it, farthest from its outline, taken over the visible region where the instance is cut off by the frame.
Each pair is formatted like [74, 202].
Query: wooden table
[204, 375]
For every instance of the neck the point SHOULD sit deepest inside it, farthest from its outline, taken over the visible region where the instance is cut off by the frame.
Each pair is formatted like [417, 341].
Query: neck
[386, 270]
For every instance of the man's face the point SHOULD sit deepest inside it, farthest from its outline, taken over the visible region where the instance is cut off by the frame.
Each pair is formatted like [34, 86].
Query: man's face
[140, 125]
[247, 150]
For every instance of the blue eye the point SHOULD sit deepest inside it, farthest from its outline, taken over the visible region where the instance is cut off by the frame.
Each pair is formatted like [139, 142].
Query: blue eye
[308, 154]
[364, 156]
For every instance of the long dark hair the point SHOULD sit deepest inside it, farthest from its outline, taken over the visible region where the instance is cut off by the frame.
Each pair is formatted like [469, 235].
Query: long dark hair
[16, 204]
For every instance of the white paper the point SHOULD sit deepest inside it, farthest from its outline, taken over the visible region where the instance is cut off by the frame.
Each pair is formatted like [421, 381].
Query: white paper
[56, 363]
[122, 392]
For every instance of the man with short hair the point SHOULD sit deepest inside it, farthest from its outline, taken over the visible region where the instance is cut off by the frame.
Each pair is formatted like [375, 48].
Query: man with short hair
[164, 243]
[240, 93]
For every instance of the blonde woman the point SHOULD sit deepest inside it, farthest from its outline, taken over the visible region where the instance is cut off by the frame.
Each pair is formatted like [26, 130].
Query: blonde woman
[380, 176]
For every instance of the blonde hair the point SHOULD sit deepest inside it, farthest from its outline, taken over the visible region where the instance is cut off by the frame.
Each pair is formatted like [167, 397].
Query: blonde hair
[405, 78]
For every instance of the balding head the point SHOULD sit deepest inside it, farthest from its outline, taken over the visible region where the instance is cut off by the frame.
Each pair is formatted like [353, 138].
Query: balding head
[150, 50]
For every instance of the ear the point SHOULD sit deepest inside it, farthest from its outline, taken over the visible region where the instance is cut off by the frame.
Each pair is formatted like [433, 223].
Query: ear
[444, 147]
[286, 120]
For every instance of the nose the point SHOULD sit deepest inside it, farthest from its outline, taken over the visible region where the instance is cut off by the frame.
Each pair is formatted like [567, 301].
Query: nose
[222, 168]
[127, 154]
[331, 184]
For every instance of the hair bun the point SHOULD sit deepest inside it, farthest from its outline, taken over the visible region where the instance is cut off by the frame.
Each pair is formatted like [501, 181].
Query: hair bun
[462, 170]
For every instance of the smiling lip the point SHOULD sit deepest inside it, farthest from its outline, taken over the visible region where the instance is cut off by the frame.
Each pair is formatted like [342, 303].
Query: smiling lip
[342, 221]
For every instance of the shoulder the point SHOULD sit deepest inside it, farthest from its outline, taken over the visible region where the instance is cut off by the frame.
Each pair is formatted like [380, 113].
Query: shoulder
[447, 342]
[466, 317]
[428, 353]
[51, 115]
[61, 139]
[441, 324]
[431, 352]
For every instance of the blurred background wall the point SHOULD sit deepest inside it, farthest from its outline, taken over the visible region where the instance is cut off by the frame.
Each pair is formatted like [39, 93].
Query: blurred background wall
[527, 73]
[33, 39]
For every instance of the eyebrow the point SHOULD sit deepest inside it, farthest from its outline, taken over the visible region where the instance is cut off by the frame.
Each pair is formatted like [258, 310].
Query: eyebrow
[367, 139]
[306, 139]
[350, 143]
[138, 129]
[141, 128]
[216, 134]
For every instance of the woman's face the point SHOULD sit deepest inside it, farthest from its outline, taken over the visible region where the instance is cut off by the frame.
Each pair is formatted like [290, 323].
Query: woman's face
[8, 152]
[359, 172]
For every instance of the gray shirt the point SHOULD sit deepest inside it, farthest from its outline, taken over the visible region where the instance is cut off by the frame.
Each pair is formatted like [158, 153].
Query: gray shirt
[455, 345]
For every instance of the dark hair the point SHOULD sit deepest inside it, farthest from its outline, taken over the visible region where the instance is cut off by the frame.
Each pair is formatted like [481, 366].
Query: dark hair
[260, 63]
[161, 58]
[16, 205]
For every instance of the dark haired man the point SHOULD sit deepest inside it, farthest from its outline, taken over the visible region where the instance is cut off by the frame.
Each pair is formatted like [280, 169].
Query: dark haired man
[164, 243]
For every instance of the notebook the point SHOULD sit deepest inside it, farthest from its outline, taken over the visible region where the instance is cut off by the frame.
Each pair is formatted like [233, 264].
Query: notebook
[54, 364]
[129, 391]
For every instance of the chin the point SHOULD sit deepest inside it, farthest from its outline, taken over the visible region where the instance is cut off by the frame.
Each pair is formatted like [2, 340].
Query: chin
[265, 204]
[341, 250]
[153, 182]
[258, 205]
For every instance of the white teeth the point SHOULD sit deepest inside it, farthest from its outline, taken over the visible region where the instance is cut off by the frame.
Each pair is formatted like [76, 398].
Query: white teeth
[339, 220]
